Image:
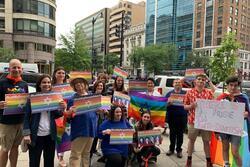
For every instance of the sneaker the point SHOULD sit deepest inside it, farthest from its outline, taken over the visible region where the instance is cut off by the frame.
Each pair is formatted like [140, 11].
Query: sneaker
[169, 153]
[189, 163]
[209, 164]
[179, 154]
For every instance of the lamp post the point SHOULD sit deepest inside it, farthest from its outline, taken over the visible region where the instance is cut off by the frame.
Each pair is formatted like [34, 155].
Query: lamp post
[92, 41]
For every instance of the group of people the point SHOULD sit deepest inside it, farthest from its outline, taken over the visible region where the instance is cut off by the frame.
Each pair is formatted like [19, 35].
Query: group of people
[39, 130]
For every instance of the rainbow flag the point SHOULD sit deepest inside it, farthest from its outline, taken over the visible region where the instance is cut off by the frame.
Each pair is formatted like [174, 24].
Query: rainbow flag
[15, 103]
[156, 105]
[65, 89]
[63, 142]
[80, 74]
[149, 137]
[106, 102]
[216, 150]
[87, 104]
[120, 72]
[121, 136]
[138, 86]
[45, 102]
[190, 74]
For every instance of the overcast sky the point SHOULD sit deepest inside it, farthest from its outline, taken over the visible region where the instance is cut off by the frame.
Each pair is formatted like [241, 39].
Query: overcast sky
[70, 11]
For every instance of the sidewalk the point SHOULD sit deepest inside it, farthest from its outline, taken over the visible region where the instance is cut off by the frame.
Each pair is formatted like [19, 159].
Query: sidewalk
[162, 161]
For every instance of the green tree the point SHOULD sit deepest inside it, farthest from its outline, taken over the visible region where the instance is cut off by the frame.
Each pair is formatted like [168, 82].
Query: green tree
[197, 59]
[73, 53]
[136, 57]
[223, 62]
[6, 54]
[111, 60]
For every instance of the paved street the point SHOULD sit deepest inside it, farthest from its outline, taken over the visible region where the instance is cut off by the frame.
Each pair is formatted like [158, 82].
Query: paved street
[163, 160]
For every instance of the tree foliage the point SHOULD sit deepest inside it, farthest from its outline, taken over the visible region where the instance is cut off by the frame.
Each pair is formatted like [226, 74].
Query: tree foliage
[111, 60]
[197, 59]
[156, 58]
[6, 54]
[73, 53]
[223, 62]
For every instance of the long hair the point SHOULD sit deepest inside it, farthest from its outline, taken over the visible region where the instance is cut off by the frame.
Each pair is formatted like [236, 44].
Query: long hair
[96, 84]
[112, 112]
[54, 75]
[116, 88]
[140, 125]
[39, 81]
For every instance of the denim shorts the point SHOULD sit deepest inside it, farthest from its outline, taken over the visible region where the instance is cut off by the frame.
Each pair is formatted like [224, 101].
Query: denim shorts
[235, 140]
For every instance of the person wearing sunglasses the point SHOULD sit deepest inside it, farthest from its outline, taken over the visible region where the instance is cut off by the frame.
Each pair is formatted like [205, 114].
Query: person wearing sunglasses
[198, 92]
[233, 94]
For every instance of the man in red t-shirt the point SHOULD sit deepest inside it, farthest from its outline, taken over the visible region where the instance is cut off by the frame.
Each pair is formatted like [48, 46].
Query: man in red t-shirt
[233, 95]
[200, 92]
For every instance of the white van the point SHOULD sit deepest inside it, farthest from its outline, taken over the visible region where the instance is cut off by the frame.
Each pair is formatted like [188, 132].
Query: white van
[27, 67]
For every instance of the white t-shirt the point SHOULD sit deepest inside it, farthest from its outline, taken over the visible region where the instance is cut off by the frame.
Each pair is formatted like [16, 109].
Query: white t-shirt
[155, 93]
[44, 125]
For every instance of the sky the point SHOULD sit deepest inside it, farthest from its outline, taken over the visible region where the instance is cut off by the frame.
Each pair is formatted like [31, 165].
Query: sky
[70, 11]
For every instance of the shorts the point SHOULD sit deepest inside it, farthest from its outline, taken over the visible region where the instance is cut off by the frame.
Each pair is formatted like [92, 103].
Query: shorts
[10, 135]
[234, 140]
[193, 133]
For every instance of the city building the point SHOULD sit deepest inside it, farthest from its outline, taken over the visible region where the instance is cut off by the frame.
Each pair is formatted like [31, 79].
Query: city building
[101, 31]
[134, 14]
[215, 18]
[28, 27]
[133, 37]
[171, 22]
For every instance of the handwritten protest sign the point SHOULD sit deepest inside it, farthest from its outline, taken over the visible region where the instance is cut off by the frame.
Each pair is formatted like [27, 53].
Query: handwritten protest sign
[65, 89]
[87, 104]
[15, 103]
[149, 137]
[220, 116]
[45, 102]
[121, 136]
[177, 99]
[137, 86]
[121, 99]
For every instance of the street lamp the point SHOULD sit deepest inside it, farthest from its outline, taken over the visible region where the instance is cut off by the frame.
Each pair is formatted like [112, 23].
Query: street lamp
[92, 40]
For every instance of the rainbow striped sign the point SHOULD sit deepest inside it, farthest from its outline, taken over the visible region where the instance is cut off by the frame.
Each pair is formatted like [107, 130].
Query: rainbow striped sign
[177, 99]
[120, 72]
[80, 74]
[65, 89]
[190, 74]
[121, 99]
[121, 136]
[87, 104]
[137, 86]
[106, 102]
[149, 137]
[45, 102]
[15, 103]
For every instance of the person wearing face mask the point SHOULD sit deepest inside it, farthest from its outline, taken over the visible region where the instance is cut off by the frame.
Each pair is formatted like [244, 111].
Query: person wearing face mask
[11, 125]
[59, 78]
[83, 127]
[233, 94]
[143, 152]
[199, 91]
[39, 129]
[177, 120]
[117, 154]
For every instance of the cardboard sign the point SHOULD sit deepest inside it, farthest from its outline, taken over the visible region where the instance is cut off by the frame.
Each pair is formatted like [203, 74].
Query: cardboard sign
[137, 86]
[121, 99]
[220, 116]
[80, 74]
[65, 89]
[120, 72]
[87, 104]
[41, 102]
[106, 102]
[15, 103]
[190, 74]
[177, 99]
[149, 137]
[121, 136]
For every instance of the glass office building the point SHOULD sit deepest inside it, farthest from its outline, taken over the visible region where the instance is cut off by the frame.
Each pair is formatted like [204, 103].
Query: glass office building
[170, 21]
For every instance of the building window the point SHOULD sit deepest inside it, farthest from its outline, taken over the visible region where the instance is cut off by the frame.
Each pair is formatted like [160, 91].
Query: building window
[236, 12]
[2, 23]
[230, 29]
[219, 20]
[199, 6]
[43, 47]
[231, 10]
[198, 34]
[1, 43]
[218, 41]
[230, 20]
[236, 22]
[221, 2]
[245, 66]
[198, 43]
[235, 31]
[220, 10]
[20, 46]
[219, 31]
[198, 26]
[243, 19]
[232, 1]
[237, 2]
[1, 3]
[199, 16]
